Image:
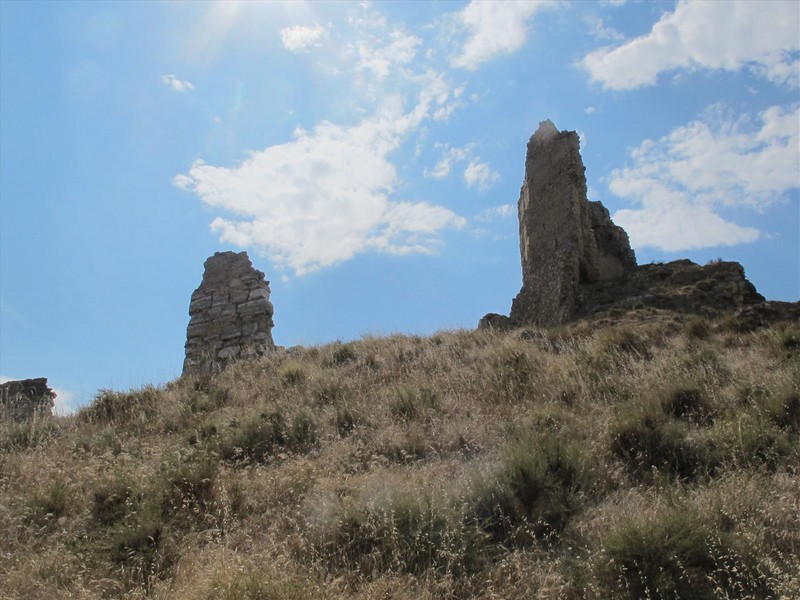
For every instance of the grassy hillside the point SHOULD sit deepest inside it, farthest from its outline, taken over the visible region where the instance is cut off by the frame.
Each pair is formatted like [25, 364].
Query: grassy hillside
[655, 456]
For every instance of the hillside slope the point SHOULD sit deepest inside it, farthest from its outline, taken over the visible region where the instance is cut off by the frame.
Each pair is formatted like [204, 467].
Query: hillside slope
[652, 456]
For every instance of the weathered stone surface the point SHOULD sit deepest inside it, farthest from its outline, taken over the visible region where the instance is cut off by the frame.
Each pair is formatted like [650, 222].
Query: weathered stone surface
[763, 314]
[231, 315]
[25, 398]
[565, 240]
[576, 262]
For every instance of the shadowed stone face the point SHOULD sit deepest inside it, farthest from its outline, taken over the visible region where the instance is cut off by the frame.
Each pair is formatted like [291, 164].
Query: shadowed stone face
[231, 315]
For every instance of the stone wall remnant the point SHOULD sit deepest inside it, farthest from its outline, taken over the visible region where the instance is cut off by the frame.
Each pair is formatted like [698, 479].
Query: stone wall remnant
[23, 399]
[576, 262]
[230, 315]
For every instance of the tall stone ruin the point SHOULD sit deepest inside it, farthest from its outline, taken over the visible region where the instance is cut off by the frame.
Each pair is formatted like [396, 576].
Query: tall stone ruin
[576, 262]
[230, 315]
[565, 240]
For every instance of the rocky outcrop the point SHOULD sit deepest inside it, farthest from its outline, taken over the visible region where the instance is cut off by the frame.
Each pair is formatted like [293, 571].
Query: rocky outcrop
[26, 398]
[230, 315]
[576, 262]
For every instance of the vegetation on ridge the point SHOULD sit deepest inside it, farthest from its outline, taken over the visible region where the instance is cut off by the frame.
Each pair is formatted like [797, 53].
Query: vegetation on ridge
[652, 457]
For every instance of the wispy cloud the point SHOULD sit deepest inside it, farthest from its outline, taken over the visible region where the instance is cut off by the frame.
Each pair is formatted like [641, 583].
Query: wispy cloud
[177, 84]
[599, 30]
[494, 213]
[450, 156]
[682, 181]
[761, 36]
[480, 175]
[493, 29]
[301, 38]
[477, 174]
[380, 58]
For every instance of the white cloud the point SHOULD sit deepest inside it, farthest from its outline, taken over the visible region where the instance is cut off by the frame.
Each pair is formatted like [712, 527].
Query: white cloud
[477, 173]
[682, 180]
[400, 51]
[599, 30]
[504, 211]
[300, 38]
[65, 402]
[324, 197]
[494, 29]
[450, 155]
[481, 175]
[706, 35]
[176, 84]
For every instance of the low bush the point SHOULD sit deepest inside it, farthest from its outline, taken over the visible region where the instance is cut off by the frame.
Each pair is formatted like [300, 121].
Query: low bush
[259, 438]
[676, 555]
[645, 439]
[342, 353]
[403, 533]
[408, 403]
[534, 491]
[688, 403]
[45, 506]
[114, 500]
[134, 408]
[512, 374]
[292, 374]
[188, 490]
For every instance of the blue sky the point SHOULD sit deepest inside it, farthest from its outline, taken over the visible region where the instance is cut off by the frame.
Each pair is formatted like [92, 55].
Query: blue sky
[368, 156]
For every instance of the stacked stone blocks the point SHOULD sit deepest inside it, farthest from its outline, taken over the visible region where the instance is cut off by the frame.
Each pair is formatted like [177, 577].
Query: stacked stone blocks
[230, 315]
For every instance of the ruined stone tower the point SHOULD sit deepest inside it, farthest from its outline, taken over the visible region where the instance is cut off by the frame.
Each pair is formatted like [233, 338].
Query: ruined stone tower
[565, 240]
[231, 315]
[577, 263]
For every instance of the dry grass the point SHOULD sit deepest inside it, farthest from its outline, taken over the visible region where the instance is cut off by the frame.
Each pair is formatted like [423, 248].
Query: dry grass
[626, 459]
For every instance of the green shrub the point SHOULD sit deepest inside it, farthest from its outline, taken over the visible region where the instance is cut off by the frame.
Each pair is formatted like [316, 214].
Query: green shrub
[342, 353]
[534, 492]
[98, 442]
[676, 555]
[697, 328]
[302, 433]
[346, 420]
[512, 374]
[751, 439]
[644, 438]
[329, 390]
[50, 504]
[143, 550]
[255, 439]
[408, 403]
[188, 489]
[404, 533]
[688, 403]
[292, 374]
[784, 410]
[114, 500]
[260, 437]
